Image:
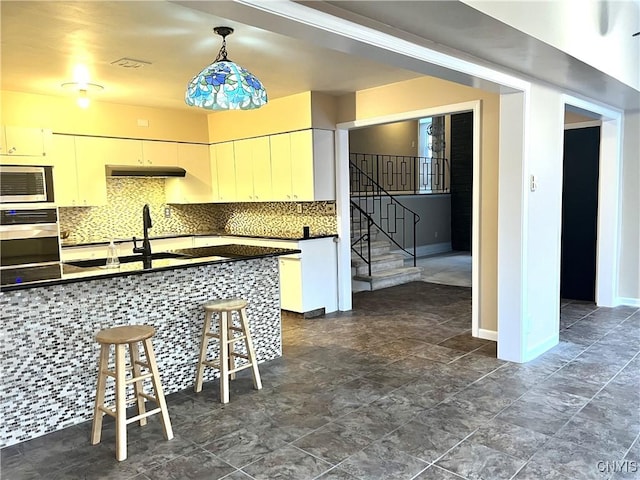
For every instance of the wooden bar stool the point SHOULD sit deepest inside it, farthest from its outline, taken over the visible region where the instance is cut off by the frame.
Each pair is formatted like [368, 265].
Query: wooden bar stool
[226, 336]
[120, 337]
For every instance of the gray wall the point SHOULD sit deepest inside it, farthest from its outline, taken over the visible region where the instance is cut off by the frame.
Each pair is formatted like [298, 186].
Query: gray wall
[434, 226]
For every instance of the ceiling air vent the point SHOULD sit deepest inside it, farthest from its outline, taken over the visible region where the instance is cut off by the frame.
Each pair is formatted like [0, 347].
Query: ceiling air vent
[130, 63]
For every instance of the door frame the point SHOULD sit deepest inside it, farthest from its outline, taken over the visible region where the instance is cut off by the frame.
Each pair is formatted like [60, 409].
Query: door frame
[343, 210]
[609, 198]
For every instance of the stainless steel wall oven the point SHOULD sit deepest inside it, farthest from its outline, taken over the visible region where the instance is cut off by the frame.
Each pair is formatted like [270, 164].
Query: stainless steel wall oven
[29, 244]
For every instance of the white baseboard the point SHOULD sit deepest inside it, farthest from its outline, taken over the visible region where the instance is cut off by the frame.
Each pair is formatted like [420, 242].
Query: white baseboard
[628, 301]
[541, 347]
[488, 334]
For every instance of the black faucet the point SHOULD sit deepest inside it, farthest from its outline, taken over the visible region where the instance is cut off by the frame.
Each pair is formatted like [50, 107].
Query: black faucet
[145, 250]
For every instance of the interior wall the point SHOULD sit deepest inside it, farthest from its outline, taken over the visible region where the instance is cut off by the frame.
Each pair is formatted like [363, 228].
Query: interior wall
[596, 32]
[428, 92]
[400, 138]
[544, 153]
[63, 115]
[629, 277]
[284, 114]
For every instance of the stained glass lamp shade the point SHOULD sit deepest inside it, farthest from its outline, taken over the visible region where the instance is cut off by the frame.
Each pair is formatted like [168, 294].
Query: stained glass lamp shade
[224, 85]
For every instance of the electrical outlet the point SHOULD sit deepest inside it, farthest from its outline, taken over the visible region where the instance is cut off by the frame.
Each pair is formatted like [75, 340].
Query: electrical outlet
[330, 209]
[298, 208]
[167, 212]
[435, 234]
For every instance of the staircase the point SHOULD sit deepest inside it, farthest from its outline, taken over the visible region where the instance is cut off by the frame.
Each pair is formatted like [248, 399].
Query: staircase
[387, 268]
[378, 221]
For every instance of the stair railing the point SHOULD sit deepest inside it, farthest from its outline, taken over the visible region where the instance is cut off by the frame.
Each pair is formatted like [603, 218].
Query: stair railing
[372, 205]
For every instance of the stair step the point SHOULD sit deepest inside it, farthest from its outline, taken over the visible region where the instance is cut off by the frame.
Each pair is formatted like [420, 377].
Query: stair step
[378, 263]
[378, 247]
[357, 233]
[390, 278]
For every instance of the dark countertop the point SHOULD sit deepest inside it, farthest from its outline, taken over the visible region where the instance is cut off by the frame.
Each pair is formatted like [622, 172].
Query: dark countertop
[83, 270]
[66, 243]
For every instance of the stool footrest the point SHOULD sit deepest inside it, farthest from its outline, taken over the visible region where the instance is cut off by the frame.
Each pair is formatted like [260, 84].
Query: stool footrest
[240, 355]
[143, 415]
[241, 367]
[136, 379]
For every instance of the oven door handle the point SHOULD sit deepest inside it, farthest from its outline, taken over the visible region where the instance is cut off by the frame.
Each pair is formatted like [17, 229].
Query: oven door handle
[18, 232]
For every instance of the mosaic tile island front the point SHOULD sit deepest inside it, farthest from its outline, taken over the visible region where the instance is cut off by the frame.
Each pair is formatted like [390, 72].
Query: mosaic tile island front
[49, 355]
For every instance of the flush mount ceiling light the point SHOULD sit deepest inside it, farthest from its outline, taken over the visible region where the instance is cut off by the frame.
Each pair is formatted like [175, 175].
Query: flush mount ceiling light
[224, 85]
[82, 88]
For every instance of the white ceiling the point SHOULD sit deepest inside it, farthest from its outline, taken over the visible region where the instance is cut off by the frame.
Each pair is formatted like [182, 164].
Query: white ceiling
[42, 41]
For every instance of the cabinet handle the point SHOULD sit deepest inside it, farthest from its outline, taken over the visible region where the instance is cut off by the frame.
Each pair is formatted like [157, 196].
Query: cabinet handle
[12, 149]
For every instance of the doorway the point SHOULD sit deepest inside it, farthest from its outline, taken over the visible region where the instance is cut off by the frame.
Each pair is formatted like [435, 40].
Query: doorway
[579, 213]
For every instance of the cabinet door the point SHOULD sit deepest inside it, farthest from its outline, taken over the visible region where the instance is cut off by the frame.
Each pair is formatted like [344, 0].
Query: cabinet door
[280, 146]
[244, 169]
[213, 178]
[23, 141]
[261, 163]
[302, 165]
[160, 153]
[90, 162]
[122, 151]
[313, 165]
[291, 287]
[195, 187]
[225, 166]
[65, 177]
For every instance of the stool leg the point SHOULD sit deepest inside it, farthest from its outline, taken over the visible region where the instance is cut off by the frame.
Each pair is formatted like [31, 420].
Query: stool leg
[121, 404]
[224, 357]
[257, 382]
[204, 342]
[103, 365]
[138, 387]
[232, 348]
[157, 387]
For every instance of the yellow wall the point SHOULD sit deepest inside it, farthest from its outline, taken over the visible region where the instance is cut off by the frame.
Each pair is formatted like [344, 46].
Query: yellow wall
[284, 114]
[62, 115]
[427, 92]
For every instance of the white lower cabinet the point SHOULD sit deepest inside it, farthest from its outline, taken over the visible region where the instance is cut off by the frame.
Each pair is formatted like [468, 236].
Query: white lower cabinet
[308, 280]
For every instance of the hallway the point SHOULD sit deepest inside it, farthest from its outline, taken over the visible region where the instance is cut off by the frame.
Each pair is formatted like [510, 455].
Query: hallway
[395, 389]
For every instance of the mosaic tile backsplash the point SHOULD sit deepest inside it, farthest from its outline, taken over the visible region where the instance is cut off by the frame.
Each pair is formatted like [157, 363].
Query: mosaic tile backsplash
[122, 216]
[49, 355]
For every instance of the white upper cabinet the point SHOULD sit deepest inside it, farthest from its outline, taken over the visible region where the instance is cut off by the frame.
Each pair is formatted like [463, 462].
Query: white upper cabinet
[303, 167]
[252, 159]
[122, 151]
[125, 151]
[223, 167]
[281, 167]
[195, 187]
[17, 142]
[160, 153]
[78, 173]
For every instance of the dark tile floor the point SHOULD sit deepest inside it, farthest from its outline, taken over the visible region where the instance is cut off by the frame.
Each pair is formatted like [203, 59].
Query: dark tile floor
[395, 389]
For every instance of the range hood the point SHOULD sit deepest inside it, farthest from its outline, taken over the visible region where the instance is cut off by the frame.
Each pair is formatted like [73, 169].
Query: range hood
[144, 171]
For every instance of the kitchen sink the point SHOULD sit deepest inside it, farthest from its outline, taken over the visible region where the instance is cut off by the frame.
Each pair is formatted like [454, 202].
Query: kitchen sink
[101, 262]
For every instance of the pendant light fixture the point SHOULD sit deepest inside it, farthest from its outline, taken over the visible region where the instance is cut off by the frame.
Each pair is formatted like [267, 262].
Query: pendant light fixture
[82, 90]
[224, 85]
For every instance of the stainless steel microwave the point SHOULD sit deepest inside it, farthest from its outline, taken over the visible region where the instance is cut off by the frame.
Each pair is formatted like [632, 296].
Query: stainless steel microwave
[26, 184]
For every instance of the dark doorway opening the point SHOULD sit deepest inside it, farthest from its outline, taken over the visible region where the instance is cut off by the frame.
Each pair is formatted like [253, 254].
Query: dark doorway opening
[579, 213]
[461, 180]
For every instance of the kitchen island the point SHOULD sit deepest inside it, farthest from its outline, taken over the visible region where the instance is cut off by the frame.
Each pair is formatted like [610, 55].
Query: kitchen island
[48, 351]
